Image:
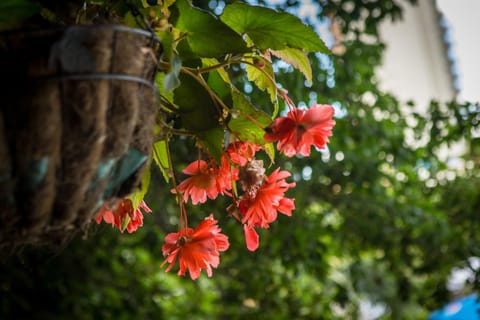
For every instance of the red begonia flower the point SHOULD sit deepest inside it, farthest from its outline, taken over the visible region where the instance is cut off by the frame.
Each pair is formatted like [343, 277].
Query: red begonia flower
[207, 180]
[261, 203]
[301, 129]
[123, 213]
[195, 249]
[259, 206]
[241, 152]
[225, 175]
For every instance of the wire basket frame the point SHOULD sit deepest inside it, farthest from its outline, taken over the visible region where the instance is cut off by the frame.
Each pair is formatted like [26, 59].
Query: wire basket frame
[76, 125]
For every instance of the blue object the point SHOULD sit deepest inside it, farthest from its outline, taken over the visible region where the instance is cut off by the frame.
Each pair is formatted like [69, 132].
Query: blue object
[466, 308]
[104, 169]
[37, 171]
[123, 169]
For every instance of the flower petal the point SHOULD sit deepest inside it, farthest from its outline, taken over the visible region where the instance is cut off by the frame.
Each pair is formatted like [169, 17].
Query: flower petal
[251, 238]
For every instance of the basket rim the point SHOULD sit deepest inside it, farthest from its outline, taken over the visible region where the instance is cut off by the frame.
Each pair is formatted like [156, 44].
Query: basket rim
[103, 76]
[148, 35]
[114, 27]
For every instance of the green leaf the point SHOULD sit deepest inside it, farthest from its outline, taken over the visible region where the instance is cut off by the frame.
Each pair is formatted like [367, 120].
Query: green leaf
[184, 50]
[212, 140]
[270, 151]
[125, 223]
[269, 29]
[276, 109]
[147, 3]
[129, 20]
[297, 58]
[171, 80]
[166, 38]
[160, 82]
[219, 86]
[210, 62]
[138, 195]
[264, 78]
[198, 112]
[206, 35]
[247, 122]
[13, 12]
[218, 80]
[160, 156]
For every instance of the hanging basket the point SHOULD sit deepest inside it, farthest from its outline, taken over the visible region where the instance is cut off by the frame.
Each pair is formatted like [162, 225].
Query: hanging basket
[76, 126]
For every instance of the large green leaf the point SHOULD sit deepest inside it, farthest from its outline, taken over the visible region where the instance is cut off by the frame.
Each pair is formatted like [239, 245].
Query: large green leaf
[206, 35]
[247, 122]
[197, 109]
[269, 29]
[297, 58]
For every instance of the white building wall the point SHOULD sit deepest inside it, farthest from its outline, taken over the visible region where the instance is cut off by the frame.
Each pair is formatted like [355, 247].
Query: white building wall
[416, 66]
[463, 17]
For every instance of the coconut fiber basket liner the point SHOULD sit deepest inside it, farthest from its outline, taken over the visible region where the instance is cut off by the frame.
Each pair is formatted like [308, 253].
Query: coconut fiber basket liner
[76, 126]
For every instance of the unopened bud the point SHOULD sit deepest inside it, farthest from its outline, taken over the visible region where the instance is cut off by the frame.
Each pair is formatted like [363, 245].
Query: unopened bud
[252, 174]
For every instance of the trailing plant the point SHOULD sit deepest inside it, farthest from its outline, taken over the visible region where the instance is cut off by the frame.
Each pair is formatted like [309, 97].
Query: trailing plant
[200, 101]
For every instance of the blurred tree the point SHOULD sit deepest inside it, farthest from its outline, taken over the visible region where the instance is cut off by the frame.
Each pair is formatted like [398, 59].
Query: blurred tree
[377, 219]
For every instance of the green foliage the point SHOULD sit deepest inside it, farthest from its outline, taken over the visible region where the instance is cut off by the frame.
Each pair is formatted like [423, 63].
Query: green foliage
[160, 156]
[298, 59]
[266, 28]
[212, 141]
[247, 122]
[368, 224]
[200, 26]
[197, 109]
[263, 78]
[171, 80]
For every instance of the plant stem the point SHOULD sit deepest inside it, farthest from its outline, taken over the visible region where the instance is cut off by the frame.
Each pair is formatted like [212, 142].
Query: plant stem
[183, 220]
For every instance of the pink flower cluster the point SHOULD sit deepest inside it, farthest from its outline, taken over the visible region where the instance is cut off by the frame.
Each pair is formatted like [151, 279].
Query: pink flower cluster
[123, 215]
[262, 196]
